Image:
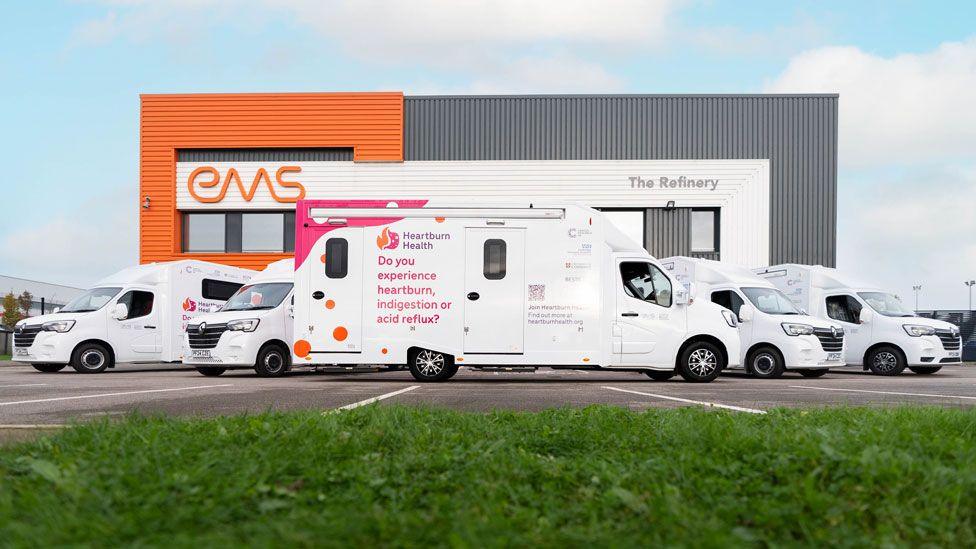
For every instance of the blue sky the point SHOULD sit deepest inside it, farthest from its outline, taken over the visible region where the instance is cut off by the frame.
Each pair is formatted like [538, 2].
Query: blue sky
[72, 72]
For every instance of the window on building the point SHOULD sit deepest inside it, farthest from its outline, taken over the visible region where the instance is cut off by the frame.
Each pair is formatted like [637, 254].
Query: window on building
[844, 308]
[204, 232]
[220, 290]
[646, 282]
[336, 257]
[138, 303]
[494, 267]
[728, 299]
[630, 222]
[262, 232]
[704, 230]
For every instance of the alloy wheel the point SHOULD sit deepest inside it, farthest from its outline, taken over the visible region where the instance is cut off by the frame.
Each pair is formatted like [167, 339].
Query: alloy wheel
[430, 363]
[702, 362]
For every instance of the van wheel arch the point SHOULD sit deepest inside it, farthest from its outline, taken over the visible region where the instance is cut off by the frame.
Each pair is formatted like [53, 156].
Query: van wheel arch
[706, 338]
[285, 351]
[871, 349]
[103, 343]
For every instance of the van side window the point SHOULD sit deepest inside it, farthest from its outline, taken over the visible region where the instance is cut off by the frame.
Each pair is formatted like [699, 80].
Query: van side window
[844, 308]
[728, 299]
[646, 282]
[494, 267]
[138, 303]
[336, 257]
[220, 290]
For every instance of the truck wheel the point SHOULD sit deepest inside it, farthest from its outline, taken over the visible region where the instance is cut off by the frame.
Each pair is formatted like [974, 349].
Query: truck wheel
[48, 368]
[91, 358]
[765, 363]
[700, 362]
[426, 365]
[272, 361]
[658, 375]
[211, 371]
[813, 373]
[925, 370]
[886, 361]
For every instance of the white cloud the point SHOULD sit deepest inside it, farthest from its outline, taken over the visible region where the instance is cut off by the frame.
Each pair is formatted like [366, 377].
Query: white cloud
[905, 109]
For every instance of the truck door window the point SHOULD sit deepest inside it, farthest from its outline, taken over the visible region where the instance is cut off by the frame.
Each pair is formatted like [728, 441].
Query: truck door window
[336, 257]
[646, 282]
[494, 267]
[138, 302]
[844, 308]
[728, 299]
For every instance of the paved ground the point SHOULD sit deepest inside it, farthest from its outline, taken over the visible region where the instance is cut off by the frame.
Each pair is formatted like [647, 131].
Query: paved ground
[28, 397]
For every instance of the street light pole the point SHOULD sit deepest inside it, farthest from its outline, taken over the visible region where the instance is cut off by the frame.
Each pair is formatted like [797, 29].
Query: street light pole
[917, 288]
[970, 283]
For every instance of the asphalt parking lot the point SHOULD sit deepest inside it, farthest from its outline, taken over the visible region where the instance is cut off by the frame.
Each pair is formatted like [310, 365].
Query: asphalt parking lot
[31, 398]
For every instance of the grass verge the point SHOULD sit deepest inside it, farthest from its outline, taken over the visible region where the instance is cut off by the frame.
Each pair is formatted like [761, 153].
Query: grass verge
[4, 358]
[411, 476]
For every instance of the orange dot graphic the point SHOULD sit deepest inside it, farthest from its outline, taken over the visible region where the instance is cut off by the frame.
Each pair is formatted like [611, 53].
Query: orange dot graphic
[329, 304]
[439, 219]
[322, 258]
[302, 348]
[383, 350]
[340, 333]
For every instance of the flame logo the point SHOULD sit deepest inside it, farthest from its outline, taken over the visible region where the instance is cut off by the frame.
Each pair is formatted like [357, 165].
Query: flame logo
[387, 240]
[189, 305]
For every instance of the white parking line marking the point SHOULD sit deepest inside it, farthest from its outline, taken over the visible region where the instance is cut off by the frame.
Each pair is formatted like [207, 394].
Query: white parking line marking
[685, 400]
[34, 426]
[25, 385]
[376, 399]
[57, 399]
[881, 392]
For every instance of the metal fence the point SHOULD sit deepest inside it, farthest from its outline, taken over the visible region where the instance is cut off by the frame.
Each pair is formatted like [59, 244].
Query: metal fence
[966, 320]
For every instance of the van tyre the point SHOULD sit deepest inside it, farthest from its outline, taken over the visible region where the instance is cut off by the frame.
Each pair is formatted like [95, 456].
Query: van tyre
[273, 361]
[658, 375]
[925, 370]
[886, 361]
[211, 371]
[91, 358]
[426, 365]
[813, 373]
[48, 368]
[766, 363]
[700, 362]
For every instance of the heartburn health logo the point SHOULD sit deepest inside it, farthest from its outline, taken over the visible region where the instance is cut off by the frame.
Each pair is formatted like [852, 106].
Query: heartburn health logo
[189, 305]
[387, 240]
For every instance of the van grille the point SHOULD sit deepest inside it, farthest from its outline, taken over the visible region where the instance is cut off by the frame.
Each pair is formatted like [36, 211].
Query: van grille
[829, 343]
[208, 339]
[26, 337]
[949, 341]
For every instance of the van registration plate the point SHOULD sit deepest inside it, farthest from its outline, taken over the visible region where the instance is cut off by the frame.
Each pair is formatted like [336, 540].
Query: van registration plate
[20, 351]
[833, 357]
[201, 353]
[953, 354]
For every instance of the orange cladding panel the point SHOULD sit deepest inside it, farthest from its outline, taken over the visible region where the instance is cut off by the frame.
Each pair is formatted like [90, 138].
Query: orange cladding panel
[369, 123]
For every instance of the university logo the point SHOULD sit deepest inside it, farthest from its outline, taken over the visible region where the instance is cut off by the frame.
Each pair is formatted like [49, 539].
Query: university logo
[208, 177]
[387, 240]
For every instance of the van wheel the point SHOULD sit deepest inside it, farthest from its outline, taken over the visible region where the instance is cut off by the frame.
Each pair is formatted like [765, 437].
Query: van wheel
[886, 361]
[427, 365]
[211, 371]
[658, 375]
[272, 361]
[91, 358]
[813, 373]
[48, 368]
[766, 363]
[925, 370]
[700, 362]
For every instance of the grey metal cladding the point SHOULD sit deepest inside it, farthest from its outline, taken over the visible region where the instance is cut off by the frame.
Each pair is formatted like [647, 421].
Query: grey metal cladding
[263, 155]
[797, 133]
[667, 232]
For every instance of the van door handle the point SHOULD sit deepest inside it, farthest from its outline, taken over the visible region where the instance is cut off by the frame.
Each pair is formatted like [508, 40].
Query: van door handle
[473, 296]
[150, 327]
[628, 314]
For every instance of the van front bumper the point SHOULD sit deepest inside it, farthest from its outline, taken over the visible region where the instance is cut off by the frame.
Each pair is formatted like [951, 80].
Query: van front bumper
[48, 348]
[233, 349]
[806, 353]
[930, 351]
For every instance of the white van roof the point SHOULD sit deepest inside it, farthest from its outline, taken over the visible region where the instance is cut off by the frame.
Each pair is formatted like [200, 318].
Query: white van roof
[278, 271]
[155, 273]
[825, 278]
[707, 271]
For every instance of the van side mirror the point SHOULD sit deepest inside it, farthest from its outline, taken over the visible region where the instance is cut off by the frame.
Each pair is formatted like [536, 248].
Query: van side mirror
[56, 310]
[745, 313]
[120, 311]
[865, 316]
[680, 295]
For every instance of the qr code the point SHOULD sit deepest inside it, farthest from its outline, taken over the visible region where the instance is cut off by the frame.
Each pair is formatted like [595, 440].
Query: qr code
[537, 292]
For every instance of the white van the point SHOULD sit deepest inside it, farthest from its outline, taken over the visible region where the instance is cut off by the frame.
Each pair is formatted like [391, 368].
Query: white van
[883, 335]
[775, 335]
[136, 315]
[252, 330]
[435, 287]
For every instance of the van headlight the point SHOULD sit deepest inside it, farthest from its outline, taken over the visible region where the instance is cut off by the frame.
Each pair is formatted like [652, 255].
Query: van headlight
[243, 325]
[730, 318]
[60, 326]
[797, 329]
[916, 330]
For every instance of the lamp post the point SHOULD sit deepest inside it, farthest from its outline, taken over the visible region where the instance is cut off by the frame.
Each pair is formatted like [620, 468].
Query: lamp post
[917, 288]
[970, 283]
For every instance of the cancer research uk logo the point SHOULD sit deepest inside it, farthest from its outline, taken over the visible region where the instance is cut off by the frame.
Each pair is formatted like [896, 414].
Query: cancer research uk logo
[387, 240]
[189, 305]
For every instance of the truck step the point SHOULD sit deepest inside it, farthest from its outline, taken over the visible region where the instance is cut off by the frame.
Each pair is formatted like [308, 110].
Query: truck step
[517, 369]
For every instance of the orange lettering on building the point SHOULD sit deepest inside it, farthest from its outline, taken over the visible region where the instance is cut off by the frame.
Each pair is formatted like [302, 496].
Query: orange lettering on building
[248, 194]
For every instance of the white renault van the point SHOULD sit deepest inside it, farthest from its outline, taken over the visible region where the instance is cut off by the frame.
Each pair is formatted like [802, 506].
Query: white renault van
[137, 315]
[883, 335]
[775, 335]
[252, 330]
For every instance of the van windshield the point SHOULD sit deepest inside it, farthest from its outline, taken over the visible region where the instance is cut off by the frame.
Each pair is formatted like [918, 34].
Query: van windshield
[771, 301]
[258, 296]
[92, 300]
[886, 304]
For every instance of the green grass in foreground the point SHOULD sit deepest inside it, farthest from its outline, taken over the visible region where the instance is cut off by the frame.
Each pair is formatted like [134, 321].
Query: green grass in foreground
[412, 477]
[4, 357]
